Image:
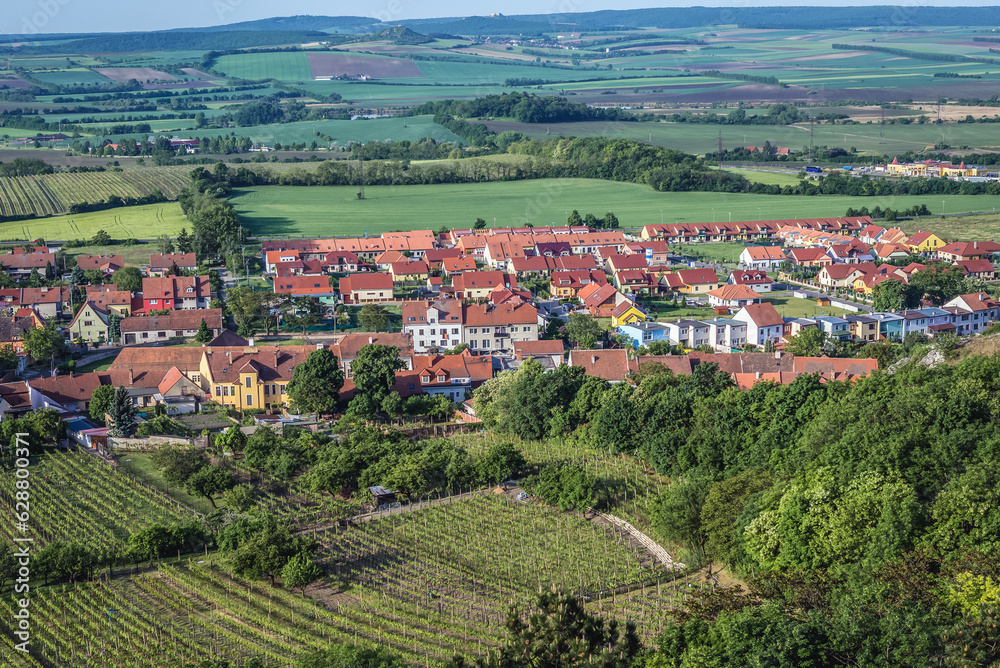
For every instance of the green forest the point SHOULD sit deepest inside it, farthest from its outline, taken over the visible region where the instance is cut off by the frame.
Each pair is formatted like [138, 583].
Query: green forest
[864, 518]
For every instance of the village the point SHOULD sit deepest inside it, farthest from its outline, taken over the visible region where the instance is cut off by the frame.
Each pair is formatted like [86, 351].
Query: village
[464, 305]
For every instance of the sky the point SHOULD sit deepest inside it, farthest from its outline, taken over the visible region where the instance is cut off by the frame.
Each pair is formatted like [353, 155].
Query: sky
[27, 17]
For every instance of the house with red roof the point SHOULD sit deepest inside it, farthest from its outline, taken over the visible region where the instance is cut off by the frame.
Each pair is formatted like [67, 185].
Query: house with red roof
[567, 284]
[814, 256]
[306, 286]
[161, 264]
[694, 281]
[435, 256]
[409, 271]
[366, 288]
[386, 259]
[479, 284]
[175, 293]
[755, 279]
[635, 281]
[490, 328]
[106, 264]
[763, 323]
[973, 312]
[453, 376]
[452, 266]
[967, 250]
[433, 325]
[179, 324]
[981, 269]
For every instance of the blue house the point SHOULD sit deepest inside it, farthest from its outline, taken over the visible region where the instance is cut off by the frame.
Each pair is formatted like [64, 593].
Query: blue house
[644, 333]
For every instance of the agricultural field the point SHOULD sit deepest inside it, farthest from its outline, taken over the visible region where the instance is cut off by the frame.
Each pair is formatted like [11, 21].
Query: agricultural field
[426, 584]
[138, 222]
[75, 496]
[293, 66]
[335, 210]
[53, 194]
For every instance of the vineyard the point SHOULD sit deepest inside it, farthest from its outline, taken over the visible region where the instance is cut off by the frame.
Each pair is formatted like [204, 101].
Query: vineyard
[428, 585]
[52, 194]
[75, 497]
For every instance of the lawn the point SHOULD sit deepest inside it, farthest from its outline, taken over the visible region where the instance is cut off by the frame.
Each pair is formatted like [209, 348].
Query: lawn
[142, 467]
[99, 365]
[140, 222]
[960, 228]
[335, 210]
[137, 255]
[793, 307]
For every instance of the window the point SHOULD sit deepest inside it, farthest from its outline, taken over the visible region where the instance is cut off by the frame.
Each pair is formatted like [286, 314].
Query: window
[162, 335]
[441, 378]
[421, 332]
[218, 390]
[425, 379]
[249, 400]
[434, 332]
[145, 335]
[196, 377]
[88, 323]
[281, 388]
[247, 381]
[154, 301]
[266, 390]
[454, 330]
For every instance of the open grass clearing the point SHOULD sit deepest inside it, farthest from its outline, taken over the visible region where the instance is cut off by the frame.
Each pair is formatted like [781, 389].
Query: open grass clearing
[336, 210]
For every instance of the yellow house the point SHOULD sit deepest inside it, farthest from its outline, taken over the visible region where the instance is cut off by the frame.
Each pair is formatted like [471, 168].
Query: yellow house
[250, 377]
[90, 324]
[924, 242]
[626, 314]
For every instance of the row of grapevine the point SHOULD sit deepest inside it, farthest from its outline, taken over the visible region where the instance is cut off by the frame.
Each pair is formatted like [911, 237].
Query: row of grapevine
[52, 194]
[76, 497]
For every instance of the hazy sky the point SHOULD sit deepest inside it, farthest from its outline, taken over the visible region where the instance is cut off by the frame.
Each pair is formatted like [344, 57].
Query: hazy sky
[26, 17]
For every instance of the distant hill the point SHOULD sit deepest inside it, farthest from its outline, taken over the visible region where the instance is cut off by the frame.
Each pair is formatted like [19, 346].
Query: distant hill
[330, 24]
[805, 18]
[174, 41]
[400, 35]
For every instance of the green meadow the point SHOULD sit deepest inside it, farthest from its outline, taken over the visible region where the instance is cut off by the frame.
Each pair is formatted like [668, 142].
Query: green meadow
[139, 222]
[335, 210]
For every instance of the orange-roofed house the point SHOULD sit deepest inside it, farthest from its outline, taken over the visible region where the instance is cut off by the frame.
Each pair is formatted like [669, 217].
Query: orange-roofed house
[451, 266]
[755, 279]
[366, 288]
[385, 260]
[273, 257]
[453, 376]
[733, 296]
[973, 312]
[479, 284]
[890, 251]
[762, 257]
[306, 286]
[90, 324]
[106, 264]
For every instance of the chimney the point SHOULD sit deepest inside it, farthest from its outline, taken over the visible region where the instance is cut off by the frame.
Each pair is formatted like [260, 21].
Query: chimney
[371, 340]
[319, 346]
[758, 375]
[593, 359]
[777, 355]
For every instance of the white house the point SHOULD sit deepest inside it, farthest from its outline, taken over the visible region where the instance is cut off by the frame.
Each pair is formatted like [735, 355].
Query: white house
[763, 323]
[762, 257]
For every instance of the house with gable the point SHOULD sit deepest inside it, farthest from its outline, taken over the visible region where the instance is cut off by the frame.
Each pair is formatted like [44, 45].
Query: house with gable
[175, 292]
[763, 323]
[453, 376]
[755, 279]
[762, 257]
[366, 288]
[433, 325]
[90, 324]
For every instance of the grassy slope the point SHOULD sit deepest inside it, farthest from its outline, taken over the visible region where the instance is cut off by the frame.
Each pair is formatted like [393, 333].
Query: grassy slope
[274, 210]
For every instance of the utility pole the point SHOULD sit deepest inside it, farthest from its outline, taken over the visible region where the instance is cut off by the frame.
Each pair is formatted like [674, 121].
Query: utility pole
[812, 123]
[361, 171]
[881, 129]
